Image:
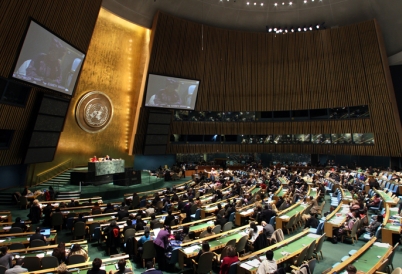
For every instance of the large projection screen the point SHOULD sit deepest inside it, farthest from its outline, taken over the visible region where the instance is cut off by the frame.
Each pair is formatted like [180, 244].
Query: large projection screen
[46, 60]
[171, 92]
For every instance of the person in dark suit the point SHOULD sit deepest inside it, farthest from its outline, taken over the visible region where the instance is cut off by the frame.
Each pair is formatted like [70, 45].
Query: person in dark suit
[37, 235]
[151, 269]
[19, 224]
[71, 203]
[35, 212]
[47, 212]
[168, 218]
[129, 224]
[122, 213]
[96, 265]
[80, 218]
[154, 221]
[267, 214]
[121, 264]
[220, 220]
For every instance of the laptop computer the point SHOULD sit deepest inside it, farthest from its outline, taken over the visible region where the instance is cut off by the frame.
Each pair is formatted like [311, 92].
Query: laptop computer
[45, 232]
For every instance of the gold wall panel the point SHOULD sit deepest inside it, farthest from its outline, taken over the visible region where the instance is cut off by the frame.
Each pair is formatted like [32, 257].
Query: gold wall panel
[114, 65]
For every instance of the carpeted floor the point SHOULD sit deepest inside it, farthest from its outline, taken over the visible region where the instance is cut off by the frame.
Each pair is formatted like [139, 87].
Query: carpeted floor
[332, 252]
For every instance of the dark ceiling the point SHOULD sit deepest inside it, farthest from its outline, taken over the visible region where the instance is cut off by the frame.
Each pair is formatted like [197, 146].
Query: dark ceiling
[236, 14]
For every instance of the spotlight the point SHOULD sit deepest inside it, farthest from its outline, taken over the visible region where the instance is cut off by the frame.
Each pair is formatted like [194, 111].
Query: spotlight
[255, 3]
[290, 3]
[305, 1]
[310, 28]
[317, 27]
[286, 30]
[262, 4]
[270, 30]
[275, 29]
[292, 30]
[248, 3]
[276, 4]
[299, 29]
[305, 29]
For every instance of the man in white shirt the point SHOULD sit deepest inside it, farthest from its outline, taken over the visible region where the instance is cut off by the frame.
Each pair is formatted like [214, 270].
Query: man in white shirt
[17, 267]
[269, 265]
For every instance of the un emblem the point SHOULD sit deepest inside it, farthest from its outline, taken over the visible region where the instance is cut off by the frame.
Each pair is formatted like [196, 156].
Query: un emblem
[94, 111]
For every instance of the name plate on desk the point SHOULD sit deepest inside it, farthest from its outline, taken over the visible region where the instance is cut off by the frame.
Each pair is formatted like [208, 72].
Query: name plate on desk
[106, 167]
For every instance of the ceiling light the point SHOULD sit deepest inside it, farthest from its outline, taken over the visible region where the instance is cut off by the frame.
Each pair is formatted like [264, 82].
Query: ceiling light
[305, 1]
[270, 30]
[275, 29]
[299, 29]
[290, 3]
[255, 3]
[262, 4]
[317, 27]
[276, 4]
[292, 30]
[283, 3]
[248, 3]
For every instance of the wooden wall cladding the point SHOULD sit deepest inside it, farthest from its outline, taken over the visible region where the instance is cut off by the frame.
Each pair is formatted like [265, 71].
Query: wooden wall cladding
[245, 71]
[73, 21]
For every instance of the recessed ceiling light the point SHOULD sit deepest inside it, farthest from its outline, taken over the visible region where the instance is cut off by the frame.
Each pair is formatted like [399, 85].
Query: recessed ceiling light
[248, 3]
[283, 3]
[276, 4]
[255, 3]
[262, 4]
[305, 1]
[290, 3]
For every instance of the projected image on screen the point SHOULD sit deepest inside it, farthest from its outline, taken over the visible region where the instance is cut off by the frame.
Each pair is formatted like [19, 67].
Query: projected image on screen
[46, 60]
[171, 92]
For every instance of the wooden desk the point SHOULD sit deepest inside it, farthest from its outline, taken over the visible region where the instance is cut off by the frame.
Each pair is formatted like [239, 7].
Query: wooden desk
[385, 197]
[292, 246]
[217, 241]
[57, 202]
[24, 238]
[336, 219]
[242, 213]
[33, 196]
[5, 227]
[367, 259]
[5, 216]
[389, 228]
[109, 264]
[286, 214]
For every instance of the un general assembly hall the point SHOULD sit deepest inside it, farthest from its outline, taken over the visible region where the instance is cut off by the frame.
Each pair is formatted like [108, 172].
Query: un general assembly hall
[200, 136]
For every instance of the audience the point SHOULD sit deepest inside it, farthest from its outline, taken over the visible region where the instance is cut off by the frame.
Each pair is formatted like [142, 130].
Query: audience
[60, 252]
[18, 267]
[228, 260]
[37, 236]
[122, 268]
[269, 265]
[96, 265]
[76, 249]
[6, 259]
[20, 224]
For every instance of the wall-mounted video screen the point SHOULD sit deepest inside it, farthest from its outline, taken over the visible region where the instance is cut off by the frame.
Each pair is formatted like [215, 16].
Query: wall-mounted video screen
[171, 92]
[48, 61]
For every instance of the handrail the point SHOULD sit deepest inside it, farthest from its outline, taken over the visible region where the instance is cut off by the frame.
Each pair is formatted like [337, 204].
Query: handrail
[53, 172]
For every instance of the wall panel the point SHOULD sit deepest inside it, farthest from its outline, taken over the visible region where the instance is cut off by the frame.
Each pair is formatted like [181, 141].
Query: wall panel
[74, 22]
[246, 71]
